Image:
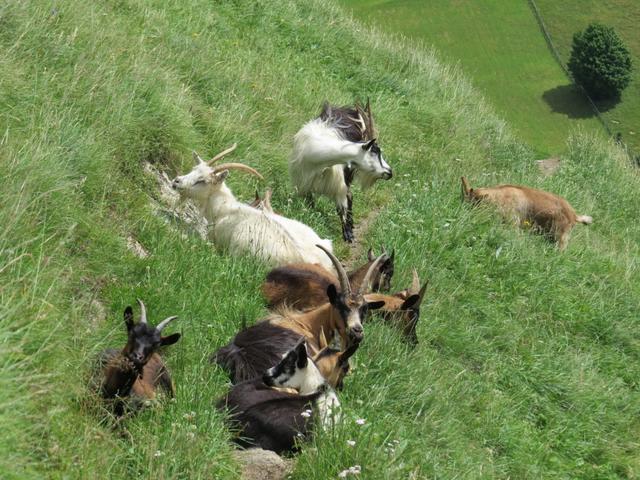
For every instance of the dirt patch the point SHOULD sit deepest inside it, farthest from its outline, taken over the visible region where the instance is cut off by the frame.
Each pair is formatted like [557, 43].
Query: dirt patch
[136, 248]
[360, 234]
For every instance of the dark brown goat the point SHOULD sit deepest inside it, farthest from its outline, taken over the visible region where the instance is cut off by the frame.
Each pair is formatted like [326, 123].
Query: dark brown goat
[132, 375]
[257, 348]
[304, 286]
[545, 212]
[276, 420]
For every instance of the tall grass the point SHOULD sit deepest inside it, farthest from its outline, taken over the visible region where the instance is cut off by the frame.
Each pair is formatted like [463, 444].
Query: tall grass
[527, 364]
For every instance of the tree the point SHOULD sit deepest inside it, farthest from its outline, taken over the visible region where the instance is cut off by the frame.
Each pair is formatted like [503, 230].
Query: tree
[600, 62]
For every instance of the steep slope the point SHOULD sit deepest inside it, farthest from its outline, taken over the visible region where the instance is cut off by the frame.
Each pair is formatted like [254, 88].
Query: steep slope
[528, 359]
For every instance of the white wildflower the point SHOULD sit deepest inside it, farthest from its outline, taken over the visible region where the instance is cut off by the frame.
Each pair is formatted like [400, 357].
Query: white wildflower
[361, 421]
[351, 443]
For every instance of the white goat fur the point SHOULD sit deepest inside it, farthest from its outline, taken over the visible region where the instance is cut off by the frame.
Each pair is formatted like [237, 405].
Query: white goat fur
[241, 229]
[319, 155]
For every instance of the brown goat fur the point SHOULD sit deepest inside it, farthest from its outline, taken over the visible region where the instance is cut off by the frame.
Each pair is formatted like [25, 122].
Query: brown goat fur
[545, 212]
[303, 286]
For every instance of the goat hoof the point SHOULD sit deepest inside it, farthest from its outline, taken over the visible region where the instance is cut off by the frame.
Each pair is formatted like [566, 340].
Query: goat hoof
[348, 237]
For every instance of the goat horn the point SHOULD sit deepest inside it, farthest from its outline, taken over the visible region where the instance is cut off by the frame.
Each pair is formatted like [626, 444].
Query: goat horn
[143, 312]
[421, 294]
[465, 186]
[238, 166]
[267, 200]
[222, 154]
[364, 286]
[348, 353]
[165, 322]
[415, 284]
[197, 158]
[345, 286]
[370, 125]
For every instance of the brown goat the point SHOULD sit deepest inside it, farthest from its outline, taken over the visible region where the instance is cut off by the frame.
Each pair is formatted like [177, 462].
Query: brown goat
[303, 286]
[132, 375]
[545, 212]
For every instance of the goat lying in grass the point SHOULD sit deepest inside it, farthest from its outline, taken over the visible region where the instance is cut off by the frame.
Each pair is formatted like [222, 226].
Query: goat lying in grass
[242, 229]
[132, 375]
[545, 212]
[333, 149]
[258, 347]
[276, 420]
[303, 285]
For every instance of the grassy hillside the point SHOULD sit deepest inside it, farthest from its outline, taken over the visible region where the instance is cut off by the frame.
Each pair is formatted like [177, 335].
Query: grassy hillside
[498, 45]
[527, 365]
[624, 15]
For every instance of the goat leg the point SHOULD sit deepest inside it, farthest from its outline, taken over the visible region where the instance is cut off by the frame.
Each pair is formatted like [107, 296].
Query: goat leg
[347, 231]
[309, 200]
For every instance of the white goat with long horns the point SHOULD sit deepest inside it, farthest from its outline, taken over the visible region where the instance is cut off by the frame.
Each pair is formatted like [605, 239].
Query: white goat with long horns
[332, 150]
[240, 228]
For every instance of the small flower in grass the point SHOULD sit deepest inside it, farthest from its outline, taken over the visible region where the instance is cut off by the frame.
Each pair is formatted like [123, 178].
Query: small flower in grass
[191, 435]
[361, 421]
[355, 470]
[306, 413]
[157, 454]
[351, 443]
[189, 416]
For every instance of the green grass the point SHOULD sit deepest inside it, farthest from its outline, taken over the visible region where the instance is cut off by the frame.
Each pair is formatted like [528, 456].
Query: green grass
[564, 20]
[527, 365]
[499, 46]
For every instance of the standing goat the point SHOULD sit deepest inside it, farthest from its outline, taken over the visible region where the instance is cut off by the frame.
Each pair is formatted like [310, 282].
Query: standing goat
[546, 212]
[242, 229]
[304, 285]
[333, 149]
[273, 419]
[132, 375]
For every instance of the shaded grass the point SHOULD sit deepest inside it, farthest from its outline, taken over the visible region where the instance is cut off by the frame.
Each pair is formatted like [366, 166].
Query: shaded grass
[623, 15]
[527, 363]
[499, 46]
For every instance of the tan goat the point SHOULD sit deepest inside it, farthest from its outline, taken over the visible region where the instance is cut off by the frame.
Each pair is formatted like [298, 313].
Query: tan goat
[545, 212]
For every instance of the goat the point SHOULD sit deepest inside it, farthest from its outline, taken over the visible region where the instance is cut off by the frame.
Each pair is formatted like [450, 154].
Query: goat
[402, 309]
[241, 229]
[545, 212]
[304, 285]
[332, 150]
[345, 311]
[256, 348]
[132, 375]
[273, 419]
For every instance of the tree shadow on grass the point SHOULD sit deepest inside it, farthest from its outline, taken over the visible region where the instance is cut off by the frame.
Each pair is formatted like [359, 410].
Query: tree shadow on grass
[570, 101]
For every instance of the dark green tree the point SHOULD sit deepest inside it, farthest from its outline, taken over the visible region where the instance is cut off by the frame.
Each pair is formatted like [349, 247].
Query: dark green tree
[600, 62]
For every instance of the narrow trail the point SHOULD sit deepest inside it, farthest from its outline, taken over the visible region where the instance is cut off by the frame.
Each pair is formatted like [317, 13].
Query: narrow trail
[360, 231]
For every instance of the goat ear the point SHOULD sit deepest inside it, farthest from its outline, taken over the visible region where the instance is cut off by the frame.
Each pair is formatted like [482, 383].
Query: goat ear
[332, 293]
[369, 144]
[370, 255]
[375, 305]
[128, 317]
[301, 351]
[410, 302]
[220, 176]
[170, 339]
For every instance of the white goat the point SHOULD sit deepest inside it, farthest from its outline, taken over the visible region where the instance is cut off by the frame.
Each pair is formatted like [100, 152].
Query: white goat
[240, 228]
[329, 150]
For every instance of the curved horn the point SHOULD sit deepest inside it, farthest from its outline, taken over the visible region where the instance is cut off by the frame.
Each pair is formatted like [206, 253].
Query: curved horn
[238, 166]
[345, 286]
[222, 154]
[370, 125]
[421, 294]
[466, 189]
[348, 353]
[364, 286]
[165, 322]
[197, 158]
[143, 312]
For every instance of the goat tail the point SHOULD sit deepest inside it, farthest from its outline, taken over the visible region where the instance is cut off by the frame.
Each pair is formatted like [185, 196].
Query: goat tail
[586, 219]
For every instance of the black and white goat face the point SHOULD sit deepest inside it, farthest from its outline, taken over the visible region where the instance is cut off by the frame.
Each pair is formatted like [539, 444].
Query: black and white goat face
[372, 163]
[295, 370]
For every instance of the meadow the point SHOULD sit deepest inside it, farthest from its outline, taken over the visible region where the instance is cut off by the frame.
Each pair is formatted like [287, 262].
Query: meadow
[564, 20]
[527, 363]
[498, 45]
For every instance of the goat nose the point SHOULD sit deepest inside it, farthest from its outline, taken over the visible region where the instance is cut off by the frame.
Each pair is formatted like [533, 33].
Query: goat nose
[389, 174]
[357, 331]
